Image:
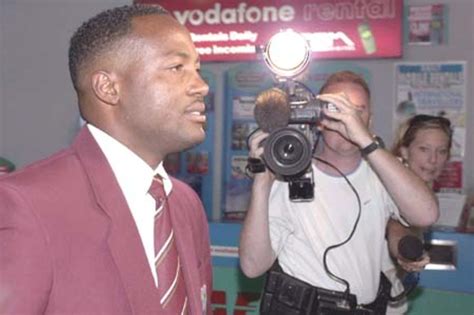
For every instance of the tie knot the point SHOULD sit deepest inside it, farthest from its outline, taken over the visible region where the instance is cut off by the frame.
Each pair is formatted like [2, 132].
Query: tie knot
[157, 190]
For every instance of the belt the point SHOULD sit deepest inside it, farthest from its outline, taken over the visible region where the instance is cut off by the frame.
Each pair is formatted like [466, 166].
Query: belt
[286, 295]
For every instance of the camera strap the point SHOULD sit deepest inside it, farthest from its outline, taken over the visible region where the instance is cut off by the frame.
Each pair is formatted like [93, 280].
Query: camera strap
[254, 165]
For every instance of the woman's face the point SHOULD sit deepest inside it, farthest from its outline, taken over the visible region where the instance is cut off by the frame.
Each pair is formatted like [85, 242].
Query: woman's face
[427, 153]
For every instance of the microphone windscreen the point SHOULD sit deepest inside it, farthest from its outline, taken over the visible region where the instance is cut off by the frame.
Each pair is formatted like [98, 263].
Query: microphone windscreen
[410, 247]
[272, 110]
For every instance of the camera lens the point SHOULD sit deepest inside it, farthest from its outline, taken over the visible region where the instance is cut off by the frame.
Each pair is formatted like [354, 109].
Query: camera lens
[287, 152]
[287, 149]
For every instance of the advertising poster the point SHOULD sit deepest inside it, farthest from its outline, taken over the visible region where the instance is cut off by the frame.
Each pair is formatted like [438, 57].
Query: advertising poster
[427, 24]
[439, 89]
[233, 30]
[194, 165]
[244, 83]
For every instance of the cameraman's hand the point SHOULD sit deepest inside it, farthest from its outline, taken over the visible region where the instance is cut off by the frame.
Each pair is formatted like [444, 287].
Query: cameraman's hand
[349, 120]
[256, 151]
[255, 144]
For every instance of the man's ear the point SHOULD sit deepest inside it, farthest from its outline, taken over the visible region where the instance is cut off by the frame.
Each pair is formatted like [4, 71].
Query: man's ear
[105, 87]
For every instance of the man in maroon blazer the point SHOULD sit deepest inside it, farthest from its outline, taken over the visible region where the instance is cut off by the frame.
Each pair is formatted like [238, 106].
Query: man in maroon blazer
[77, 229]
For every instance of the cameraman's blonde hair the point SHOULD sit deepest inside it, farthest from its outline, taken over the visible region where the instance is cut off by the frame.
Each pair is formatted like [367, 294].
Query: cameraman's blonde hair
[345, 77]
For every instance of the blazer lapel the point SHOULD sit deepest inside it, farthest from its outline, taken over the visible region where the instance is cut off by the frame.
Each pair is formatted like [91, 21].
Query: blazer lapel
[124, 240]
[186, 250]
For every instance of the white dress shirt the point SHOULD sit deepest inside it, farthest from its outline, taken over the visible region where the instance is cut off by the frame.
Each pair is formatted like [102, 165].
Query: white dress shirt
[134, 177]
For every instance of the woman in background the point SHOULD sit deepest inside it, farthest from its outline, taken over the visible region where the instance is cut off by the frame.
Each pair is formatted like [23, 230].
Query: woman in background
[423, 144]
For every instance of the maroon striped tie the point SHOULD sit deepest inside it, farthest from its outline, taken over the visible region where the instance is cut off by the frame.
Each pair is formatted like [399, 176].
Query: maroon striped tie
[171, 287]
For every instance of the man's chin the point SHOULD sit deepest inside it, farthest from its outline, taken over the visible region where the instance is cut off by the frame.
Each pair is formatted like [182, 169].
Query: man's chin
[344, 147]
[200, 138]
[349, 151]
[337, 137]
[196, 140]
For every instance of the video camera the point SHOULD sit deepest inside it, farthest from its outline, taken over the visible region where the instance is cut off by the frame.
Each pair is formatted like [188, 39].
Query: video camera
[289, 112]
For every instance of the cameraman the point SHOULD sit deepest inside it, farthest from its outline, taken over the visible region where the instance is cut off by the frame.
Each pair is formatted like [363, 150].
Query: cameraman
[294, 237]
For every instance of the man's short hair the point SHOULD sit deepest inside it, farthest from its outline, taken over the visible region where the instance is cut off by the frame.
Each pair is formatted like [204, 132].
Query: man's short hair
[345, 77]
[102, 32]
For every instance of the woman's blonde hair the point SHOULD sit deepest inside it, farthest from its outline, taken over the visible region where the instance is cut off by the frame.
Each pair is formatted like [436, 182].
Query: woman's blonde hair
[407, 131]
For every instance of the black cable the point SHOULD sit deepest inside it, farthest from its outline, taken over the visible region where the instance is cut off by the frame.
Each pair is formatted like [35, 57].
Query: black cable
[250, 135]
[307, 89]
[326, 251]
[407, 289]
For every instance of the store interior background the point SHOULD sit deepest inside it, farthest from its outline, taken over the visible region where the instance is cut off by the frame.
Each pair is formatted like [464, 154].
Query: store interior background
[39, 115]
[38, 112]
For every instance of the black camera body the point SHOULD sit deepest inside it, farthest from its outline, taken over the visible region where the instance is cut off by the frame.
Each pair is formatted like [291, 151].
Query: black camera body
[290, 113]
[288, 150]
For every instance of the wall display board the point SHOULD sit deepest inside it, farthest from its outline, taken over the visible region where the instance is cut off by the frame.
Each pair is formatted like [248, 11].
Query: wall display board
[436, 88]
[243, 83]
[233, 30]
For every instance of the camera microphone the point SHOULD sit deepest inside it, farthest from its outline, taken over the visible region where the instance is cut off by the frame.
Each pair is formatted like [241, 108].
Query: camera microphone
[271, 110]
[410, 247]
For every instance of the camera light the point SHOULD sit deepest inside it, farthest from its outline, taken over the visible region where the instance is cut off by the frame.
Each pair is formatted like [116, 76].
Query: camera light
[287, 53]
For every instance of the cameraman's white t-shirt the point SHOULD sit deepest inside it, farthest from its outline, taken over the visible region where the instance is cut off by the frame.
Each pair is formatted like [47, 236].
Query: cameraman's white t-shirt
[301, 231]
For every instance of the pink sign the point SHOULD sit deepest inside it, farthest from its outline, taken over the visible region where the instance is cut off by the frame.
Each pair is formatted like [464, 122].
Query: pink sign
[232, 30]
[451, 177]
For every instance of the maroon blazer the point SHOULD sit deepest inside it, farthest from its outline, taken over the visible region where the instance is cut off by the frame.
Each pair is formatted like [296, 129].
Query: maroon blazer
[69, 244]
